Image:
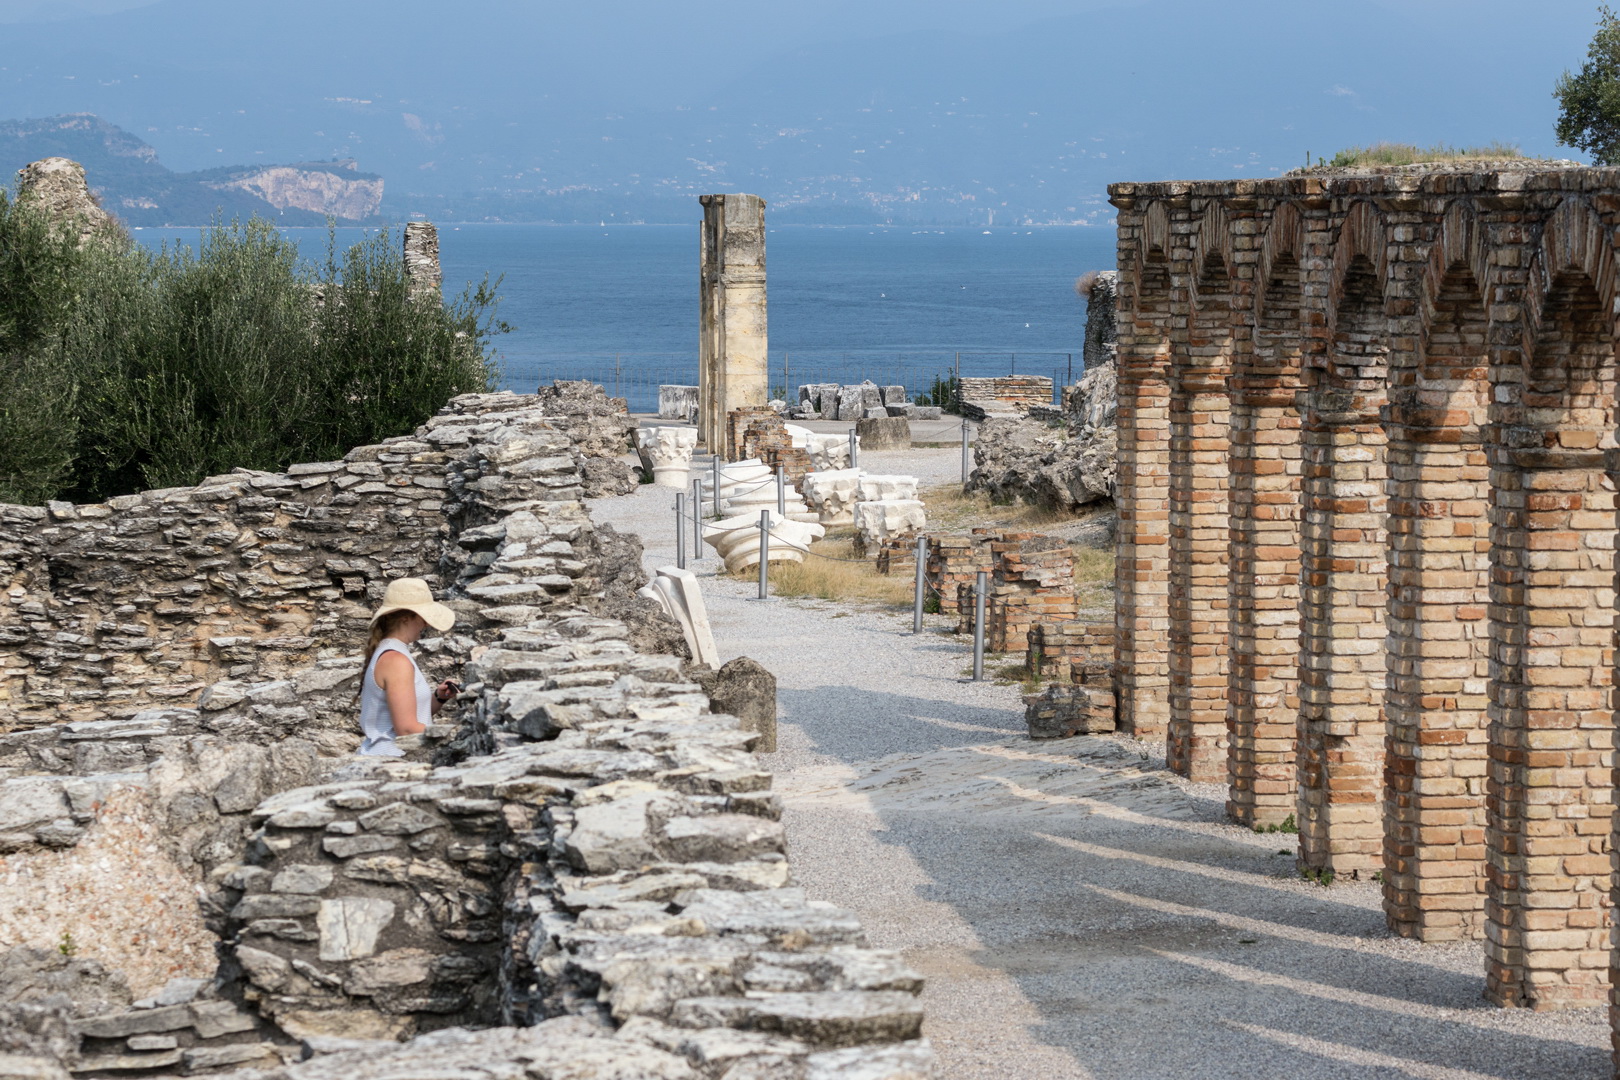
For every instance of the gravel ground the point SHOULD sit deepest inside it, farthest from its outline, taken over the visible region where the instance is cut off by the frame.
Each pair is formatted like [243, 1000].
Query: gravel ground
[1078, 911]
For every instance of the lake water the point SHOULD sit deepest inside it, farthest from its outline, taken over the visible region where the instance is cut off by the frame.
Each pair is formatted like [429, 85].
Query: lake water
[619, 304]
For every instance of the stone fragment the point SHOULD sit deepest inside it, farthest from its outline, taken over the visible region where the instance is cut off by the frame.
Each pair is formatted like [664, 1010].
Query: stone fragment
[213, 1019]
[273, 906]
[666, 454]
[744, 688]
[389, 971]
[302, 879]
[884, 433]
[399, 819]
[350, 927]
[210, 1058]
[830, 1019]
[346, 847]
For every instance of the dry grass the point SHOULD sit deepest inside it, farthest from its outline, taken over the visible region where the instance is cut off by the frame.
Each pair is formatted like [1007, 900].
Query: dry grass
[1395, 154]
[1094, 577]
[949, 510]
[846, 579]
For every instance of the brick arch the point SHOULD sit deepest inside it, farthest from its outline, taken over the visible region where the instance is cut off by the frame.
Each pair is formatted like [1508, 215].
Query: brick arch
[1461, 243]
[1150, 273]
[1573, 239]
[1284, 245]
[1278, 300]
[1212, 260]
[1363, 240]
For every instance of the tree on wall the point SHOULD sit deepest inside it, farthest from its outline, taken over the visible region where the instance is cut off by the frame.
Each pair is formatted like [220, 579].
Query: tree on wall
[1589, 101]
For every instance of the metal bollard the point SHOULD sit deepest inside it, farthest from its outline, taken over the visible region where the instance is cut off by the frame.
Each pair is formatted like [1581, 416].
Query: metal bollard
[781, 492]
[716, 485]
[764, 553]
[917, 596]
[965, 469]
[697, 519]
[854, 450]
[978, 627]
[680, 529]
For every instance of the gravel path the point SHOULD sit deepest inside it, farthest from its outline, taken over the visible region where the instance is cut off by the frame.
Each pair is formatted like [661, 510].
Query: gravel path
[1078, 911]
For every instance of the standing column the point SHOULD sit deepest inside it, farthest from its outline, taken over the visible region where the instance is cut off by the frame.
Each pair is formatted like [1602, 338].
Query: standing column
[1142, 499]
[422, 260]
[1264, 680]
[1199, 538]
[732, 346]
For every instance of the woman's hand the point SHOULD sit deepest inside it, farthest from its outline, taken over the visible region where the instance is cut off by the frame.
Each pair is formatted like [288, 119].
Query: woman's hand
[443, 693]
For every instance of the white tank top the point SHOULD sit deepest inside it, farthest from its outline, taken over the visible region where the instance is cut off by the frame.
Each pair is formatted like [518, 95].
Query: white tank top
[376, 719]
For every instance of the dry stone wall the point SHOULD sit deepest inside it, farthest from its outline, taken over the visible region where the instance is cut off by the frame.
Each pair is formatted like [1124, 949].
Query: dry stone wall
[587, 857]
[1366, 545]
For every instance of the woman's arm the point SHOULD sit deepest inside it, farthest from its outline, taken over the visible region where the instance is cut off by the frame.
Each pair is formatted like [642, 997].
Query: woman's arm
[397, 678]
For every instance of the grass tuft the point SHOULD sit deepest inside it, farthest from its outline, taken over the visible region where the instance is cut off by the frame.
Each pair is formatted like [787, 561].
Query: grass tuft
[1396, 154]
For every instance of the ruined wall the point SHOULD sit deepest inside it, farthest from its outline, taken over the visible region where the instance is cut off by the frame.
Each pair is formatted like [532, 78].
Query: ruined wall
[1366, 548]
[146, 599]
[595, 851]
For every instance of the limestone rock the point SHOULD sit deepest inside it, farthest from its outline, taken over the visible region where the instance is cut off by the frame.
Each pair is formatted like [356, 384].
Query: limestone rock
[886, 433]
[744, 688]
[57, 186]
[1031, 461]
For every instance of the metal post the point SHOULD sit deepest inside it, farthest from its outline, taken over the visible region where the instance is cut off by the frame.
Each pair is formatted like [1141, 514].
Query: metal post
[965, 469]
[680, 529]
[854, 450]
[764, 552]
[978, 627]
[917, 595]
[716, 485]
[781, 491]
[697, 519]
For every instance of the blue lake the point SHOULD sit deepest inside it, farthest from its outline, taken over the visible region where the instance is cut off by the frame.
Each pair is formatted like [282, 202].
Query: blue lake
[619, 304]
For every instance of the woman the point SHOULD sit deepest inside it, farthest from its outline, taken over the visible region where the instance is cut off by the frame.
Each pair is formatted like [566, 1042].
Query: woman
[394, 697]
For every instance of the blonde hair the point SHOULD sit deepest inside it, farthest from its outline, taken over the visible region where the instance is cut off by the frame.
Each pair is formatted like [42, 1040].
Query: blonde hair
[383, 627]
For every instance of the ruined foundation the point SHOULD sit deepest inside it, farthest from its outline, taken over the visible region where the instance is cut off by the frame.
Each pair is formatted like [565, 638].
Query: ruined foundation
[1366, 542]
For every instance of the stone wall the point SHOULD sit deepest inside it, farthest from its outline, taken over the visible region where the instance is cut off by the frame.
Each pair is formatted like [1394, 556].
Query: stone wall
[1011, 395]
[142, 601]
[1366, 546]
[585, 845]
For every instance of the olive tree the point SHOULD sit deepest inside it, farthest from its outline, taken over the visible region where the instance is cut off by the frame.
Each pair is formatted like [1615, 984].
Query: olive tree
[1589, 100]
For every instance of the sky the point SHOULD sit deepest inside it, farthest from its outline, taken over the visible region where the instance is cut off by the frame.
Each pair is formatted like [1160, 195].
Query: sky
[1026, 107]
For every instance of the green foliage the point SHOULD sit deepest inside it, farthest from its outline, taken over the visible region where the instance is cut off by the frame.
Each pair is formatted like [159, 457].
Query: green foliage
[1589, 101]
[1387, 153]
[126, 369]
[1286, 825]
[67, 946]
[42, 275]
[943, 393]
[1322, 877]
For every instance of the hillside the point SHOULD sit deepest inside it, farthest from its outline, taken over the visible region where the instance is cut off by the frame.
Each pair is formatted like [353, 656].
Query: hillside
[126, 175]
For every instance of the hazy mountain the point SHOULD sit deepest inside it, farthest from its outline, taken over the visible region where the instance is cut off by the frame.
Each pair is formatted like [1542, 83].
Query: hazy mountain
[125, 174]
[625, 110]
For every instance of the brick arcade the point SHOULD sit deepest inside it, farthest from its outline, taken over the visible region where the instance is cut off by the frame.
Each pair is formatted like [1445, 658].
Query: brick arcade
[1366, 569]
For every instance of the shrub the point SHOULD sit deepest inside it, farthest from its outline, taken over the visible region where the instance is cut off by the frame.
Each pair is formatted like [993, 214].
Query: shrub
[157, 369]
[942, 393]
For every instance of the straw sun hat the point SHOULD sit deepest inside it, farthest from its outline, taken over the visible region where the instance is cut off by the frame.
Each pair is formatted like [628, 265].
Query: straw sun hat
[413, 594]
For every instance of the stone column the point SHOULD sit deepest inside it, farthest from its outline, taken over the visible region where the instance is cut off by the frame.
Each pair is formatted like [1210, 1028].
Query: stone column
[1142, 571]
[422, 260]
[1263, 682]
[732, 353]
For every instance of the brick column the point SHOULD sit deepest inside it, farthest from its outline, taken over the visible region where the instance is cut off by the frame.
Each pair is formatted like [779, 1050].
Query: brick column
[1550, 788]
[1142, 574]
[1263, 684]
[1200, 415]
[1438, 644]
[1342, 583]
